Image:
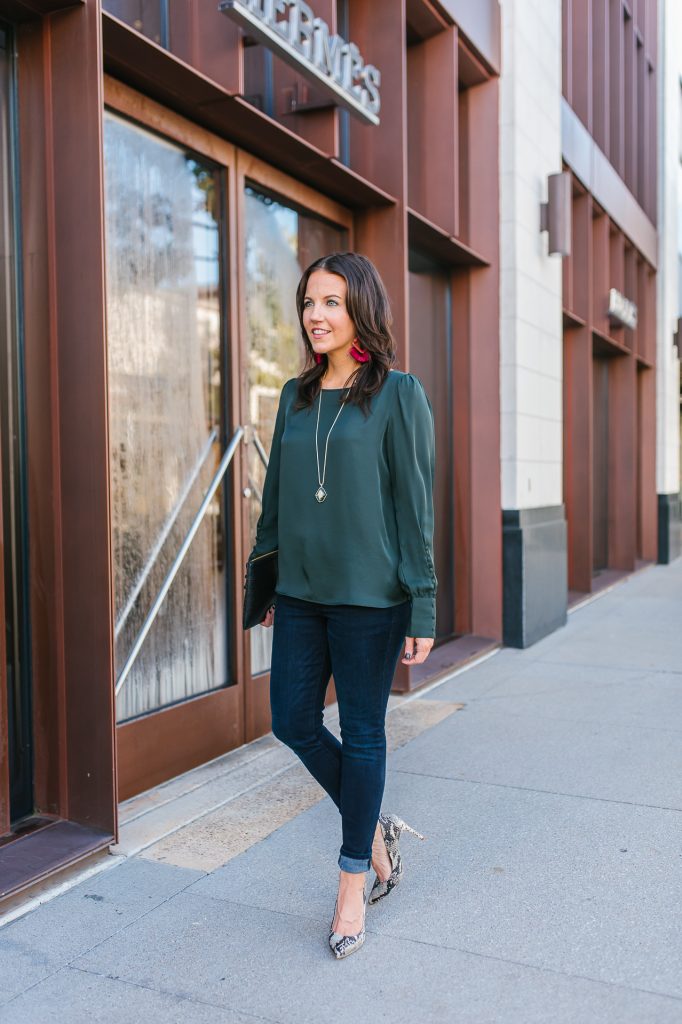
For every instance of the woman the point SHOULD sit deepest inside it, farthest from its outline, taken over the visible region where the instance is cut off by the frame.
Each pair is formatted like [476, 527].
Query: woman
[347, 501]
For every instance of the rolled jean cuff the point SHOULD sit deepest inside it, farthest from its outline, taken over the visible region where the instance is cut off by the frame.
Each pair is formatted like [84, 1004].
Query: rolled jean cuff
[354, 865]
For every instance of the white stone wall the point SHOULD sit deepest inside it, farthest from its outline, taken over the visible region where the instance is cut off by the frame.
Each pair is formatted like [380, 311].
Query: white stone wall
[669, 243]
[530, 280]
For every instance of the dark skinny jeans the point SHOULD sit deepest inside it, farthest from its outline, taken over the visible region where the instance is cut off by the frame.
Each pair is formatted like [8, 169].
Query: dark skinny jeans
[361, 647]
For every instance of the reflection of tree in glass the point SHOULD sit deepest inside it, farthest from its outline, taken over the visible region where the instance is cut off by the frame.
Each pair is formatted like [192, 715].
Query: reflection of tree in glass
[206, 182]
[272, 271]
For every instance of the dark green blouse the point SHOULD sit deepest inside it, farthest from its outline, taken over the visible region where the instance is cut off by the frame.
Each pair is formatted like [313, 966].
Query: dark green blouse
[370, 542]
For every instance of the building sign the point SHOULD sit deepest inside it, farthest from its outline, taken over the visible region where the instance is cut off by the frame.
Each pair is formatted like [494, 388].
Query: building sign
[290, 28]
[622, 310]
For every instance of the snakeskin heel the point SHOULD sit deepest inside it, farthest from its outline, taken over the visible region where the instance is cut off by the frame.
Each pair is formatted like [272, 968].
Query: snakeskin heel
[391, 827]
[343, 945]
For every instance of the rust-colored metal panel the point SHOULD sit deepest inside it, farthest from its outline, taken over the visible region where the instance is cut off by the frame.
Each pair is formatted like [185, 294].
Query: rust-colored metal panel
[486, 533]
[480, 22]
[431, 240]
[567, 50]
[630, 289]
[479, 393]
[4, 738]
[651, 144]
[380, 153]
[646, 316]
[600, 463]
[77, 242]
[432, 102]
[204, 38]
[600, 271]
[581, 60]
[581, 255]
[382, 235]
[464, 166]
[647, 507]
[462, 409]
[162, 76]
[479, 139]
[616, 150]
[651, 129]
[641, 141]
[600, 73]
[622, 463]
[423, 20]
[182, 737]
[630, 106]
[37, 203]
[22, 10]
[577, 392]
[616, 259]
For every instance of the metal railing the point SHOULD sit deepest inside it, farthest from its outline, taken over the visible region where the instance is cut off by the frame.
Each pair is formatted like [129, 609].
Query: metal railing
[179, 558]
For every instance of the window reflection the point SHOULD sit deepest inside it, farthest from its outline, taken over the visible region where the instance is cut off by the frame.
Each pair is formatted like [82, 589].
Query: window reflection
[165, 393]
[150, 17]
[281, 242]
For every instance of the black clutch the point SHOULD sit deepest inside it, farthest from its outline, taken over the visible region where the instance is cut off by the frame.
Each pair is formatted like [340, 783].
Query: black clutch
[259, 588]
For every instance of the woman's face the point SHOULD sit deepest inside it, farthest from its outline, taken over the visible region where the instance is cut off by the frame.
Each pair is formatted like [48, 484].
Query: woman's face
[325, 317]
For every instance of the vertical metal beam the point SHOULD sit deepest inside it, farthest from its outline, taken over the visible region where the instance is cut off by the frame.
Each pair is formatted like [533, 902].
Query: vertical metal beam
[74, 42]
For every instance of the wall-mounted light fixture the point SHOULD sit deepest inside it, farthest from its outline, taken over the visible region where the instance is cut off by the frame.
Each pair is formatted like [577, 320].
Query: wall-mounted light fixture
[555, 214]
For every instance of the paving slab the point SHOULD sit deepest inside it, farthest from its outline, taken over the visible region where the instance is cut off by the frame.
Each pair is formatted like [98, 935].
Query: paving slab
[559, 882]
[279, 967]
[652, 700]
[478, 680]
[83, 998]
[599, 759]
[548, 889]
[36, 945]
[635, 626]
[574, 885]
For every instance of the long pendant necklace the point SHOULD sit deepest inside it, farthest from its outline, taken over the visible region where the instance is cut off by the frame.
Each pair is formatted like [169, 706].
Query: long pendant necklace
[320, 493]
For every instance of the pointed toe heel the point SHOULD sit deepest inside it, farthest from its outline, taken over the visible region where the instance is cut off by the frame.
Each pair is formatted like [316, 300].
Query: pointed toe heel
[343, 945]
[392, 828]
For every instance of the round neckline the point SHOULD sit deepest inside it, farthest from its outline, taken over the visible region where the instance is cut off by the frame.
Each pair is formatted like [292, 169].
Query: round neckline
[391, 370]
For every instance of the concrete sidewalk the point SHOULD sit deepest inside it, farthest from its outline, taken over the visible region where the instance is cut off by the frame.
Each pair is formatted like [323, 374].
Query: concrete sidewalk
[549, 888]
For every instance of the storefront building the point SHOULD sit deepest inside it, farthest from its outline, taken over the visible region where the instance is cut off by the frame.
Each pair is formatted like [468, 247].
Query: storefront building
[168, 171]
[582, 456]
[669, 287]
[609, 139]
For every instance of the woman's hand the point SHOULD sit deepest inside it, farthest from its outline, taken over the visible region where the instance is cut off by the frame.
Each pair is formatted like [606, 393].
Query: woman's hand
[269, 616]
[417, 649]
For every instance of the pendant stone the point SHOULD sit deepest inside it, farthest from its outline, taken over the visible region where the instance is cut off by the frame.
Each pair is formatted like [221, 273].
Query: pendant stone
[320, 493]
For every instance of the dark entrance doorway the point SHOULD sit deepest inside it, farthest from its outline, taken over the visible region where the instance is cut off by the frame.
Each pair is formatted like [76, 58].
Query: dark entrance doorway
[431, 361]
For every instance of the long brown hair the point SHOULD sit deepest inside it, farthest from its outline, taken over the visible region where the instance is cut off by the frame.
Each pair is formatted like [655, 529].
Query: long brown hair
[369, 309]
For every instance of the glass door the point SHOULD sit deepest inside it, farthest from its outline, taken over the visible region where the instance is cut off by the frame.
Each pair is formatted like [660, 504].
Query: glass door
[165, 210]
[285, 228]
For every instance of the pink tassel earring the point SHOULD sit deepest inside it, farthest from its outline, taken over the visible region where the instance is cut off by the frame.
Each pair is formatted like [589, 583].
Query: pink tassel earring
[318, 357]
[358, 354]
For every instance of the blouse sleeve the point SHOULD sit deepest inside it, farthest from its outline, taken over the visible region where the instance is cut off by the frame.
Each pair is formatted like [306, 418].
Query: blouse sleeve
[266, 527]
[412, 454]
